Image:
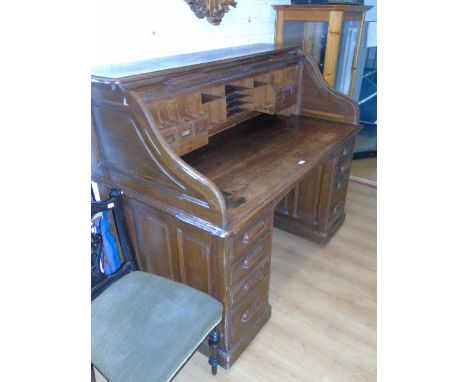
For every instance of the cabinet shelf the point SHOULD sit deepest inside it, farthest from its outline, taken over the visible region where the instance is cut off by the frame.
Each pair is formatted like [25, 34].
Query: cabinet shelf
[207, 98]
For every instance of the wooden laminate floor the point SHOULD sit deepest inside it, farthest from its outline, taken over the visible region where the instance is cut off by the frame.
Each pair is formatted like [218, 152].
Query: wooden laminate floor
[365, 169]
[323, 324]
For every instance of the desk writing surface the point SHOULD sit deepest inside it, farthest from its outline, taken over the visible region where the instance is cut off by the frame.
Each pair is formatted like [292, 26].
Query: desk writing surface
[261, 159]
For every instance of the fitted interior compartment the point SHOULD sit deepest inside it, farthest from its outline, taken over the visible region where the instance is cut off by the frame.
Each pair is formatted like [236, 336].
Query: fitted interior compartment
[182, 121]
[284, 83]
[186, 121]
[285, 77]
[239, 96]
[214, 104]
[174, 111]
[263, 94]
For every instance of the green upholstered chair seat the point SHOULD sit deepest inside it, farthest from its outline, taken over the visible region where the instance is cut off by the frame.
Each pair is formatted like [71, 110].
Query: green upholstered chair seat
[145, 327]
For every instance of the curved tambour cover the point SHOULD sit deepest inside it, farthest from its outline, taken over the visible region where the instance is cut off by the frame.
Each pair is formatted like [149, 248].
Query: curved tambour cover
[146, 115]
[129, 151]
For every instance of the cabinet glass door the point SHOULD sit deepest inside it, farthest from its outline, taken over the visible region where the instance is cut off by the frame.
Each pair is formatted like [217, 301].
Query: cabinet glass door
[311, 35]
[349, 38]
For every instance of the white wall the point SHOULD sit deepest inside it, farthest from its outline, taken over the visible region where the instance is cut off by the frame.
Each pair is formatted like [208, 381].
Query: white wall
[125, 31]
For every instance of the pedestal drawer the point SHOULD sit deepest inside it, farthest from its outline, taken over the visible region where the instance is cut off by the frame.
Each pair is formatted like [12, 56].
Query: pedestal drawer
[248, 237]
[244, 287]
[253, 306]
[244, 265]
[340, 181]
[347, 149]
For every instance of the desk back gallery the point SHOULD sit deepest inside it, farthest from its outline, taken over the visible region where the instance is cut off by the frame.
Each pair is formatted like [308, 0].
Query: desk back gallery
[211, 149]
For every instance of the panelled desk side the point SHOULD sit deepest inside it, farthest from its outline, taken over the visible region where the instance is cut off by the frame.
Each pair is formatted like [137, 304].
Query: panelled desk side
[211, 151]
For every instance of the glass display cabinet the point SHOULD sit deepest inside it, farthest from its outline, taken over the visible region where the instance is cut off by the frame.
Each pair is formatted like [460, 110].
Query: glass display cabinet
[332, 34]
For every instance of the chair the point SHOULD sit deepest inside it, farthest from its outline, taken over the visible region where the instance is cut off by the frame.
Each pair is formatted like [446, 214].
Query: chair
[144, 327]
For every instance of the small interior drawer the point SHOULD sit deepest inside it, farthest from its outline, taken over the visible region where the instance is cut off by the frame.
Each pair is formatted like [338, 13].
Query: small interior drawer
[285, 97]
[187, 136]
[186, 131]
[170, 135]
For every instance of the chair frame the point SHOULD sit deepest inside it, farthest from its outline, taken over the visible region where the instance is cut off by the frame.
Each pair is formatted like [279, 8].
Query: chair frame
[99, 281]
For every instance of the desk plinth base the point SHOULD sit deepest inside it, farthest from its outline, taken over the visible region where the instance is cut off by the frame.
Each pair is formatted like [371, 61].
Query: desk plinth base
[227, 358]
[307, 231]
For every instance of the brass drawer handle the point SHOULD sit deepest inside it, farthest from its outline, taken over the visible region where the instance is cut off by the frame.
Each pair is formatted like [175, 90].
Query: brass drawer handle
[250, 259]
[254, 232]
[340, 184]
[185, 133]
[346, 151]
[170, 139]
[338, 207]
[250, 312]
[249, 286]
[345, 166]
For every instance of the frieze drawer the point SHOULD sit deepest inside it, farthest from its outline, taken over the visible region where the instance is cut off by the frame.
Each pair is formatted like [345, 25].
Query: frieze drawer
[187, 136]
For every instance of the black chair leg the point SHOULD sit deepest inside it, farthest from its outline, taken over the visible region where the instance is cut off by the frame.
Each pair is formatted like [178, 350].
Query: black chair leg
[213, 341]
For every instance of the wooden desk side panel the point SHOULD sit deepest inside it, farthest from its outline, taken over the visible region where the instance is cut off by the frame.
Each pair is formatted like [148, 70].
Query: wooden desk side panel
[320, 100]
[130, 153]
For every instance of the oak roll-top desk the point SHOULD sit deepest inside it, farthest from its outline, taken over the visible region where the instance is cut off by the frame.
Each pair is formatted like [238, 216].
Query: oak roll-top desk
[210, 150]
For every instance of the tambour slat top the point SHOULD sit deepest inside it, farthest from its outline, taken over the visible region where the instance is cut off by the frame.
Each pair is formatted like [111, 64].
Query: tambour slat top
[185, 61]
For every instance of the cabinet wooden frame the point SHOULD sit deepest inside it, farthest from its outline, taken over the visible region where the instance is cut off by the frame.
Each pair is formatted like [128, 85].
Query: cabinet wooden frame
[335, 16]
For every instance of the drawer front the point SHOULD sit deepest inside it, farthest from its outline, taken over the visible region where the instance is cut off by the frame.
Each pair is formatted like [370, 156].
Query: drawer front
[343, 167]
[245, 265]
[285, 97]
[249, 310]
[340, 181]
[347, 149]
[187, 136]
[244, 287]
[341, 177]
[170, 136]
[337, 204]
[248, 237]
